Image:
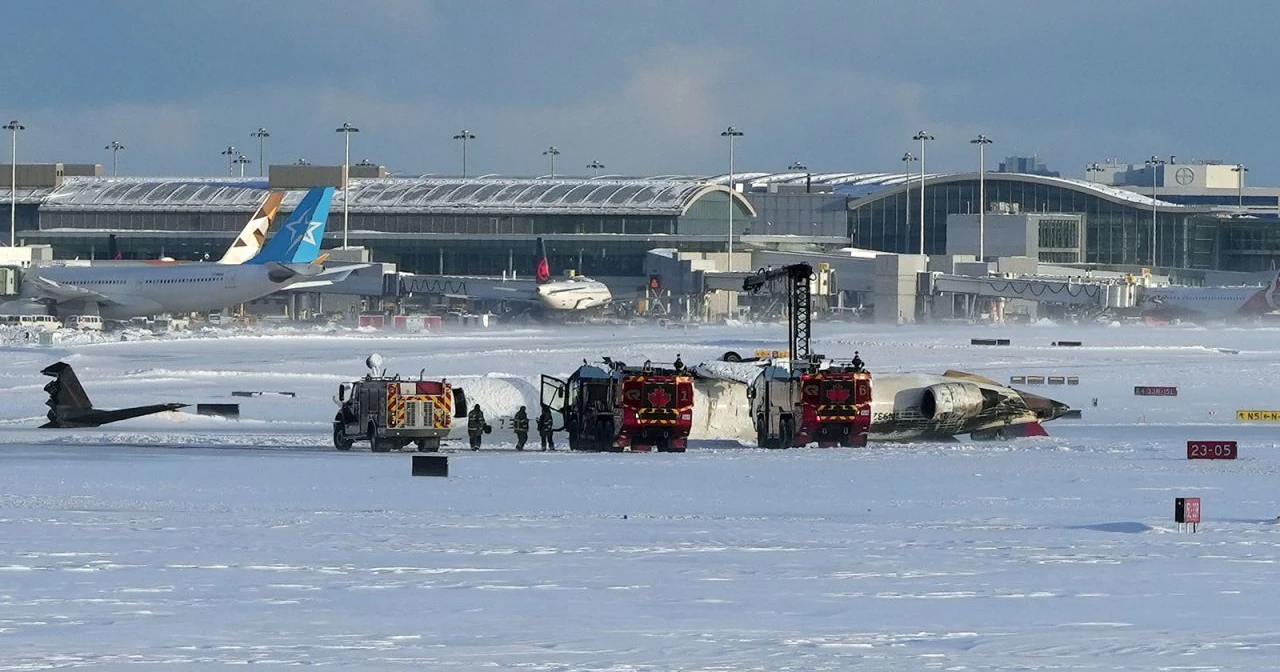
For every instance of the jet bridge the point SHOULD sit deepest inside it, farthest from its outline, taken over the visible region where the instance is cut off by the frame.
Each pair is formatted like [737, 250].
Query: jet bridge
[1097, 293]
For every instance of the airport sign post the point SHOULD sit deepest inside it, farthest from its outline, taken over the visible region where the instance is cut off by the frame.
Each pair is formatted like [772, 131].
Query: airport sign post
[1186, 511]
[1265, 416]
[1155, 391]
[1212, 450]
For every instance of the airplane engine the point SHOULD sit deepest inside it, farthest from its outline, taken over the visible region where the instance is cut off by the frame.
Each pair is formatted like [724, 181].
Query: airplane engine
[951, 401]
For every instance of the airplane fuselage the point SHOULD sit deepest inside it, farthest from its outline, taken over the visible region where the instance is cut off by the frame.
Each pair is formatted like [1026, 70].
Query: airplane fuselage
[120, 293]
[1208, 302]
[574, 294]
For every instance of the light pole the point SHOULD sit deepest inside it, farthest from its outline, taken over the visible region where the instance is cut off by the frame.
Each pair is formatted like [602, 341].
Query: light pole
[731, 133]
[553, 153]
[922, 136]
[231, 154]
[346, 130]
[114, 147]
[464, 135]
[982, 141]
[1091, 170]
[796, 165]
[241, 160]
[1153, 163]
[13, 126]
[595, 167]
[261, 134]
[1242, 169]
[907, 158]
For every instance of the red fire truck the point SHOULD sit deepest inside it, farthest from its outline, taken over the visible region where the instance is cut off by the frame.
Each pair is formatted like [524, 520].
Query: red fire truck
[615, 407]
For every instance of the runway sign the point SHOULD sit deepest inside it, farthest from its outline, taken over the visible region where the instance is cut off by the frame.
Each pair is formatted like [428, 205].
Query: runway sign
[1265, 416]
[1186, 511]
[1212, 450]
[1155, 391]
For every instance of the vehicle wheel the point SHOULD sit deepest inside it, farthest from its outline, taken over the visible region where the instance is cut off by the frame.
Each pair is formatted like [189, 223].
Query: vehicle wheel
[605, 434]
[376, 444]
[340, 441]
[762, 433]
[731, 356]
[786, 432]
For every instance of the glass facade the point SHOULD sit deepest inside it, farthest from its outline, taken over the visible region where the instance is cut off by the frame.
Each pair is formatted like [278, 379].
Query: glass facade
[442, 242]
[1115, 233]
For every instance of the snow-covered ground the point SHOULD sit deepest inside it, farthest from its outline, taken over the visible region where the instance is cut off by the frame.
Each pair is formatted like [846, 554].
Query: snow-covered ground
[192, 541]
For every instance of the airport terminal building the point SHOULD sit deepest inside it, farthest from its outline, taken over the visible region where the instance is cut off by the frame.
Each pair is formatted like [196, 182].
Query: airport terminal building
[604, 226]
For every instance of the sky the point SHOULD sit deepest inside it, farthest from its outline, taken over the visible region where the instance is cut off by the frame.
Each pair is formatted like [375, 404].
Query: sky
[644, 87]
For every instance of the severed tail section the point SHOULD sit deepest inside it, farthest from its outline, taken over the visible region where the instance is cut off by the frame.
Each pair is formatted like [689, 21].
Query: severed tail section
[69, 406]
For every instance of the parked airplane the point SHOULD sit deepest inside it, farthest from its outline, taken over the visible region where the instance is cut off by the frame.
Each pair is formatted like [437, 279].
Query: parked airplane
[907, 406]
[122, 292]
[575, 293]
[69, 406]
[570, 294]
[1214, 303]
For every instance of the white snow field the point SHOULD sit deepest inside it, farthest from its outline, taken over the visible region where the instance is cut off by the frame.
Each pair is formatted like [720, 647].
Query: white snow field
[194, 542]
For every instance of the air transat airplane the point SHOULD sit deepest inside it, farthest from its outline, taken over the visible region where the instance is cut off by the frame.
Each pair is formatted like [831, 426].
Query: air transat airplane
[1213, 303]
[287, 261]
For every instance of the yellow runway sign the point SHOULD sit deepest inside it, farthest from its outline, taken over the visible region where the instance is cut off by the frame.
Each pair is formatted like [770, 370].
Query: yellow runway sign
[1269, 416]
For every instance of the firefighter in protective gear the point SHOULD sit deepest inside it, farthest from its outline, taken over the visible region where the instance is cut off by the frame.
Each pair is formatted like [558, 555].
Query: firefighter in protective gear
[475, 426]
[545, 433]
[520, 423]
[857, 362]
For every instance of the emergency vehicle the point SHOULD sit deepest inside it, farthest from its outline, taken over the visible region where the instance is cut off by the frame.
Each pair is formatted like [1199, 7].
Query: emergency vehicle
[615, 407]
[391, 412]
[823, 401]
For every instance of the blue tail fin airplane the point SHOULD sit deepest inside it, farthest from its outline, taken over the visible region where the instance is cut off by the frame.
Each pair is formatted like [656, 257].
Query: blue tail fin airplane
[298, 240]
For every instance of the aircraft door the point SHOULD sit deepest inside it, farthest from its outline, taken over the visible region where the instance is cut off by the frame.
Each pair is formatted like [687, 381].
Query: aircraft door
[553, 396]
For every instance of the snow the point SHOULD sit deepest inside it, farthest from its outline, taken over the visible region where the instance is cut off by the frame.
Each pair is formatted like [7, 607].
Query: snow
[195, 542]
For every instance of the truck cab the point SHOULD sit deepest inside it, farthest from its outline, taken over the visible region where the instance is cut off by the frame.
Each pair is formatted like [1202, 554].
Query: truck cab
[391, 413]
[615, 407]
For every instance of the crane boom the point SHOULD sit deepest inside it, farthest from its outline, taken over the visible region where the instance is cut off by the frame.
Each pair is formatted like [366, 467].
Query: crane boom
[798, 278]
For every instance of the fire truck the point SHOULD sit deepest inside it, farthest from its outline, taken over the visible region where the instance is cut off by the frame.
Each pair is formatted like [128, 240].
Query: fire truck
[391, 412]
[615, 407]
[808, 398]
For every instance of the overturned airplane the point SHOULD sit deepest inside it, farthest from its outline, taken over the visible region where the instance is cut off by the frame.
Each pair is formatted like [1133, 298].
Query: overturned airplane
[904, 406]
[70, 407]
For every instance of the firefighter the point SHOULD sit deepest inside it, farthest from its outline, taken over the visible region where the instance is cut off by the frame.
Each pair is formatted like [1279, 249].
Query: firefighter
[475, 426]
[679, 364]
[545, 433]
[857, 362]
[520, 424]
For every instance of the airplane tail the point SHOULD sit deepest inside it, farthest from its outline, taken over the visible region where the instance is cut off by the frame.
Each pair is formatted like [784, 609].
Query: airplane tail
[65, 391]
[250, 240]
[542, 270]
[298, 240]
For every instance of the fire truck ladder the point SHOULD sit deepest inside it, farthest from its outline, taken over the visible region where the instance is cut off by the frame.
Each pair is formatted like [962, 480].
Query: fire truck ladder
[798, 278]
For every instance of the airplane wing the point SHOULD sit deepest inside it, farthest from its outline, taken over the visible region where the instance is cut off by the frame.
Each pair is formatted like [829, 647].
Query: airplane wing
[323, 277]
[59, 292]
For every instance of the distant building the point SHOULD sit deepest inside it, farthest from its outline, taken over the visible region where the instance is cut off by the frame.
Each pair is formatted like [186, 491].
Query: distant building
[1028, 165]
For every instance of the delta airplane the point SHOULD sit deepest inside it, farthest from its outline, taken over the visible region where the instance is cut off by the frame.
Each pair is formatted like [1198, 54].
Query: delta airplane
[1214, 303]
[289, 260]
[557, 296]
[576, 293]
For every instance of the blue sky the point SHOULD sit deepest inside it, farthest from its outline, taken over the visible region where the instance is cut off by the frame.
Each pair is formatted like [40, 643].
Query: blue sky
[645, 87]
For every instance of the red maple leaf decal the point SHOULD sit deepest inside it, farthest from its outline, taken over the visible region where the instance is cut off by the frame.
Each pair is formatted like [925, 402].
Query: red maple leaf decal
[838, 395]
[659, 397]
